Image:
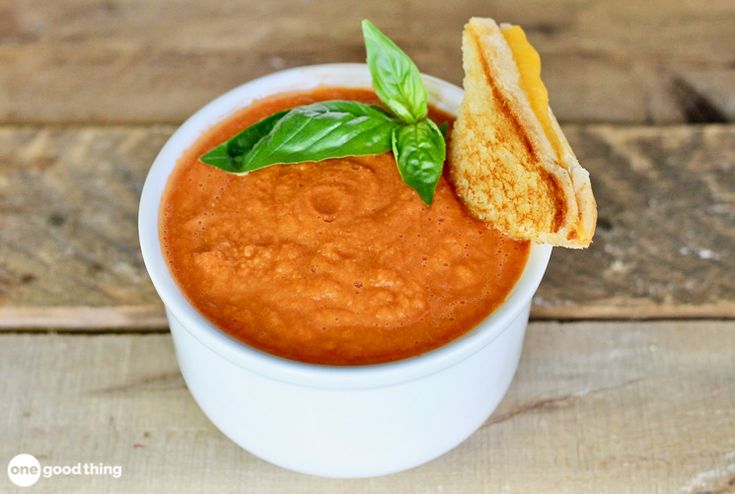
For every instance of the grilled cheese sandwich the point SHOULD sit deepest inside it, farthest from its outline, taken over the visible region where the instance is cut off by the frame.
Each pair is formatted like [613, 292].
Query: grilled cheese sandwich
[510, 162]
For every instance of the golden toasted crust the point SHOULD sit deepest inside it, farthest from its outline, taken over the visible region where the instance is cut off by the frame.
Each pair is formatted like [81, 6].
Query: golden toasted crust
[502, 164]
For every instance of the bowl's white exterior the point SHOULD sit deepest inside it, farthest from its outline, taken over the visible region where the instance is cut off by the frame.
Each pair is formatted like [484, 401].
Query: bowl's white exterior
[334, 421]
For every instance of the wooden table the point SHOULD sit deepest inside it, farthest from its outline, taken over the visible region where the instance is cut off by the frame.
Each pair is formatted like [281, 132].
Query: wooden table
[627, 380]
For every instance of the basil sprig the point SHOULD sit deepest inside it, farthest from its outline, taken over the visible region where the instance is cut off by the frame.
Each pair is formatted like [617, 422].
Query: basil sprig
[336, 129]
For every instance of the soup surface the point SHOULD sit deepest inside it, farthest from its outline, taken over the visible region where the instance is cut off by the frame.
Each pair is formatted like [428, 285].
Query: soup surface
[337, 262]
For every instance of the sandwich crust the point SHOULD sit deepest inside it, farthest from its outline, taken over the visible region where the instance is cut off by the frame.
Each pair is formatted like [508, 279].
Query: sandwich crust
[502, 164]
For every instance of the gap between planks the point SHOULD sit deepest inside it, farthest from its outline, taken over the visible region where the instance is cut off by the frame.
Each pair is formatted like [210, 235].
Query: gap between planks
[152, 319]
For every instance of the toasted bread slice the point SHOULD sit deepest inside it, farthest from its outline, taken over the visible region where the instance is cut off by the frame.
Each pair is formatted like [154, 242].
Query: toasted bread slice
[504, 166]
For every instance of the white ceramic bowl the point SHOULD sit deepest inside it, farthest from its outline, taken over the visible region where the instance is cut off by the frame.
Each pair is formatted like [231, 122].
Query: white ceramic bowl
[356, 421]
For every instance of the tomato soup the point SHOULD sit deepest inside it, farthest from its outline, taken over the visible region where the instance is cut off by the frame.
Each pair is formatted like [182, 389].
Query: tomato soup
[337, 262]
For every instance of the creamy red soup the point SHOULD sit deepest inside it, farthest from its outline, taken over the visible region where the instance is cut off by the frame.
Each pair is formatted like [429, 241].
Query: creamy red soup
[337, 262]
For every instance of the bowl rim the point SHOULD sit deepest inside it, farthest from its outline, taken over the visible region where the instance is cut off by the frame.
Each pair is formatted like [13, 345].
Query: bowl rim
[443, 95]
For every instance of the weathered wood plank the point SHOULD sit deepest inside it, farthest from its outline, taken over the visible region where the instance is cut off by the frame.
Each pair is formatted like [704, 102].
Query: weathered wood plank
[130, 61]
[665, 245]
[68, 216]
[595, 407]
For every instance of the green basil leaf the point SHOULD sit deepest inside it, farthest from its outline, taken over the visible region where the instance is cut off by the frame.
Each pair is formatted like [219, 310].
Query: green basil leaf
[328, 129]
[396, 79]
[228, 156]
[443, 128]
[420, 151]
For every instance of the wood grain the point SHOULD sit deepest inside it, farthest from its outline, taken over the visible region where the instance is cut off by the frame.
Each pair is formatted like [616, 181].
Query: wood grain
[130, 61]
[665, 245]
[595, 407]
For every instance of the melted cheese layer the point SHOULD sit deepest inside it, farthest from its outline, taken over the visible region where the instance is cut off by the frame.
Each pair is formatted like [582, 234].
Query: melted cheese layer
[528, 62]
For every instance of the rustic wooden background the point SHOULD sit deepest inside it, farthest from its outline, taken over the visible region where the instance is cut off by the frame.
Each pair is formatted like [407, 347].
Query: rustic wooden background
[627, 382]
